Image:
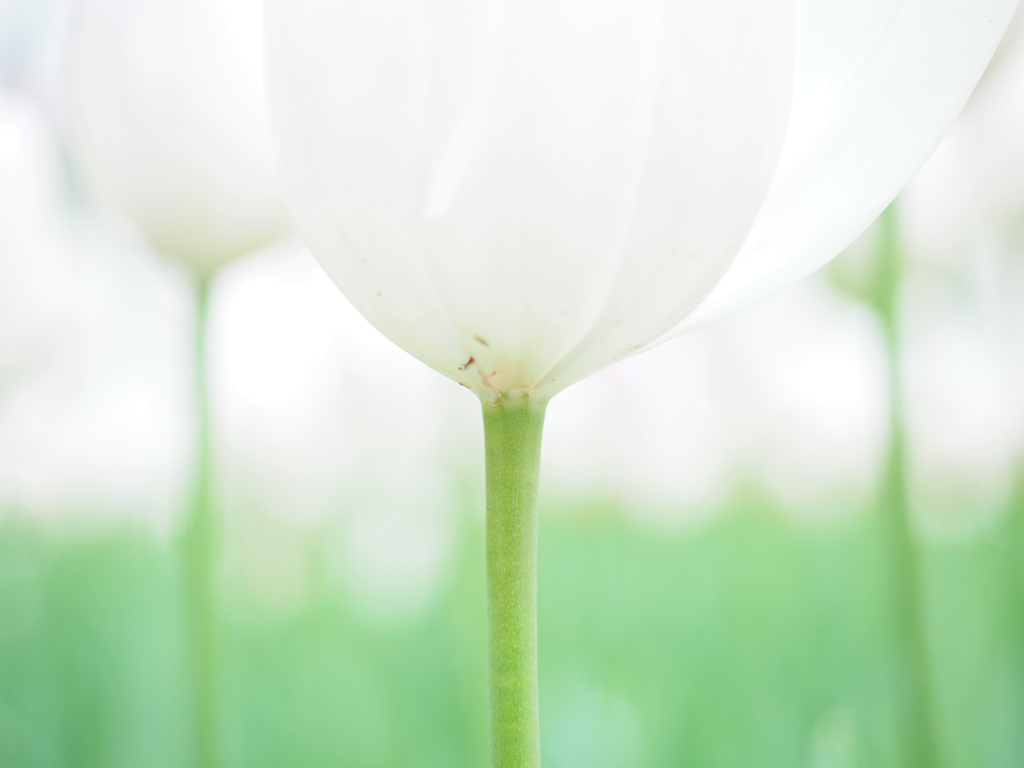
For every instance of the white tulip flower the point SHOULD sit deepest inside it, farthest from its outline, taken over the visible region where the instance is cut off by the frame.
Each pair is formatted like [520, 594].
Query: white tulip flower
[168, 123]
[520, 194]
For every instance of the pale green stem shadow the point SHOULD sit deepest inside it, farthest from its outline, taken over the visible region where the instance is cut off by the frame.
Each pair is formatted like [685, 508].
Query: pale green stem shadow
[902, 549]
[200, 559]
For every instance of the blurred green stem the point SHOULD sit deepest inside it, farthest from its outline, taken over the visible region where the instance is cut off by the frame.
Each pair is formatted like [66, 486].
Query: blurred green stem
[200, 549]
[902, 549]
[1012, 544]
[512, 436]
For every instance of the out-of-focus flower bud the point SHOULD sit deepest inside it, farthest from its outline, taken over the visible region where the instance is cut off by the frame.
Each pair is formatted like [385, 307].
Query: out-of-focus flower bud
[167, 121]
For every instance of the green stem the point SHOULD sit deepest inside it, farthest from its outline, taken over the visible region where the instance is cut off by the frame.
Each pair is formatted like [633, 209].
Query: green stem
[200, 559]
[512, 434]
[903, 552]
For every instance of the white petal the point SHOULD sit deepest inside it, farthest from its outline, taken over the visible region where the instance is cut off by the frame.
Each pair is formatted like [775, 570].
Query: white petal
[500, 187]
[880, 82]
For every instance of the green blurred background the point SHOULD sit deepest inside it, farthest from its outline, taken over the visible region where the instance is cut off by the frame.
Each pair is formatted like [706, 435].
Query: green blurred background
[749, 642]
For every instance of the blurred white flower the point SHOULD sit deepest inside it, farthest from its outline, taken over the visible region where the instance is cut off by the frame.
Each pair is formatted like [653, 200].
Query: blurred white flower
[326, 425]
[91, 425]
[809, 395]
[520, 194]
[969, 197]
[963, 409]
[963, 226]
[33, 46]
[652, 433]
[792, 395]
[100, 432]
[167, 121]
[35, 261]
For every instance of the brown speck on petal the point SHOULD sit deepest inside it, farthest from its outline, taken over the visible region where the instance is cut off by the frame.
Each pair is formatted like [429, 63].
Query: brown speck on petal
[468, 363]
[482, 340]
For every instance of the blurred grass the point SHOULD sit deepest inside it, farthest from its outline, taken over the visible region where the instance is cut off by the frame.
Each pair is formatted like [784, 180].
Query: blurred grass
[745, 643]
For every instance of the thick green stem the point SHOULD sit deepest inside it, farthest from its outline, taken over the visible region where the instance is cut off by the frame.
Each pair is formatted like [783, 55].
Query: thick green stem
[512, 433]
[905, 561]
[200, 552]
